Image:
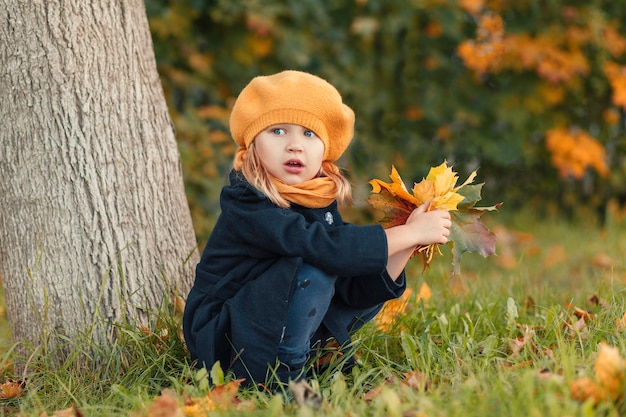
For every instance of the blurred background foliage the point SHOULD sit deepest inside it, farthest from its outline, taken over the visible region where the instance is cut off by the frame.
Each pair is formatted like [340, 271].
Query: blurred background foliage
[530, 93]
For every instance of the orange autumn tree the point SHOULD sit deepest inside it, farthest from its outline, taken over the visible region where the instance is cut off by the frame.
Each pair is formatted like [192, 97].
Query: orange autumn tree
[562, 57]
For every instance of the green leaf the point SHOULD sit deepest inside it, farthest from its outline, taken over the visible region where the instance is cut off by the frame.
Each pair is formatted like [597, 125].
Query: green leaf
[217, 374]
[469, 234]
[471, 192]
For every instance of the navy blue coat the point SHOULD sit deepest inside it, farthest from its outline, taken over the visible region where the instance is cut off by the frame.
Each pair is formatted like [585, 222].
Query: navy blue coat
[237, 307]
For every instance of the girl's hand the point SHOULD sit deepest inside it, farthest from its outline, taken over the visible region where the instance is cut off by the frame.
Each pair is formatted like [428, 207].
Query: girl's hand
[430, 226]
[421, 228]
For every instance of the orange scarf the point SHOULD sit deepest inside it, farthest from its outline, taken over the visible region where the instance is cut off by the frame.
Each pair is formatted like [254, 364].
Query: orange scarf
[315, 193]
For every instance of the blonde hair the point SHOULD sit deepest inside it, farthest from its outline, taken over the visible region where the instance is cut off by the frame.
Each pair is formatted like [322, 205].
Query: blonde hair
[256, 174]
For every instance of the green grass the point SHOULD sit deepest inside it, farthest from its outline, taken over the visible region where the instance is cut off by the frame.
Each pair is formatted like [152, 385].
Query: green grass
[459, 340]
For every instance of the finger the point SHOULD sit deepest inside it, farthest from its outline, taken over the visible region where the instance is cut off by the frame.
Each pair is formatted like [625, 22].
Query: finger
[423, 208]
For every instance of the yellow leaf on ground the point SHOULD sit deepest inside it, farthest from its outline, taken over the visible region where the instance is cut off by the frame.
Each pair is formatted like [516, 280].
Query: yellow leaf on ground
[424, 293]
[392, 309]
[610, 371]
[609, 381]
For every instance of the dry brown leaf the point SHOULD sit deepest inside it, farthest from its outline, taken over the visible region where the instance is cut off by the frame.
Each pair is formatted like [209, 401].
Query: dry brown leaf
[517, 345]
[179, 306]
[578, 329]
[597, 301]
[11, 389]
[602, 260]
[581, 314]
[67, 412]
[556, 255]
[304, 394]
[417, 380]
[373, 393]
[529, 303]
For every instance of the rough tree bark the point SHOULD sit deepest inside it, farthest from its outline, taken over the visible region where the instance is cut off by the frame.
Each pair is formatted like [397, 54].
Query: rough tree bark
[94, 223]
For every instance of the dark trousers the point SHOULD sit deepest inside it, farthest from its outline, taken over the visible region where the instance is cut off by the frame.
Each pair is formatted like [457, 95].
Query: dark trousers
[311, 303]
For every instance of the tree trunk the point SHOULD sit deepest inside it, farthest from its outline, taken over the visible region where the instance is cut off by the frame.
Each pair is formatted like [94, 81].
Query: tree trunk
[94, 223]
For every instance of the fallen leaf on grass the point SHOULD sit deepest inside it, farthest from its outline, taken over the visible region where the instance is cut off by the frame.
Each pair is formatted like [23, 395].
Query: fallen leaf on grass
[399, 306]
[221, 397]
[414, 380]
[67, 412]
[424, 294]
[609, 381]
[304, 394]
[166, 405]
[620, 323]
[597, 301]
[11, 389]
[578, 327]
[602, 260]
[417, 380]
[580, 313]
[517, 345]
[392, 309]
[556, 256]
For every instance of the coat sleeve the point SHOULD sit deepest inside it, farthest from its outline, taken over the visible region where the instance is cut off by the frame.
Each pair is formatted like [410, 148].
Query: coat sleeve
[369, 291]
[268, 231]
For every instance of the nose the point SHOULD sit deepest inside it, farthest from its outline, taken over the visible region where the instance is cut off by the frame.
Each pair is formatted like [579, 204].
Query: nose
[294, 145]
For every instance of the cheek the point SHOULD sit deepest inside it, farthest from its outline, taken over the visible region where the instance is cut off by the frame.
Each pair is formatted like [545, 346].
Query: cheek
[319, 149]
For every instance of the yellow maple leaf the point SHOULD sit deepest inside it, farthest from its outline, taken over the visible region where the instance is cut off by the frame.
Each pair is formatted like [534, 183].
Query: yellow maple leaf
[439, 188]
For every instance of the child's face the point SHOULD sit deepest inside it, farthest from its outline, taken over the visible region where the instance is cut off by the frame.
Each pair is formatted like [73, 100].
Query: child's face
[289, 152]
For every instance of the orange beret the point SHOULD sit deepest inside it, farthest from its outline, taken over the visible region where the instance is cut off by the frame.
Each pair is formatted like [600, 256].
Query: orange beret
[293, 97]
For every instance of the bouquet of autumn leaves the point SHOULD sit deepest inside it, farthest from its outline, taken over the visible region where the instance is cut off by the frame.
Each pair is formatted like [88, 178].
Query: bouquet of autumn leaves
[467, 234]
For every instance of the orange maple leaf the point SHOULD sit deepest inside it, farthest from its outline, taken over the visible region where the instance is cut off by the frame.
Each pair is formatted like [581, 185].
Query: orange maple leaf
[392, 309]
[396, 307]
[220, 397]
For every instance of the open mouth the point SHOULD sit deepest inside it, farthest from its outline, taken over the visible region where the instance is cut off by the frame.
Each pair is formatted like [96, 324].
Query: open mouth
[294, 166]
[294, 163]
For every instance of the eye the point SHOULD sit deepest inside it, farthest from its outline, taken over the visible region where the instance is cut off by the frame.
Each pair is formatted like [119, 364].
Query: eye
[309, 133]
[278, 131]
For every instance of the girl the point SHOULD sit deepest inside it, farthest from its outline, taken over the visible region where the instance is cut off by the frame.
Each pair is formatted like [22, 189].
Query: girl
[281, 271]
